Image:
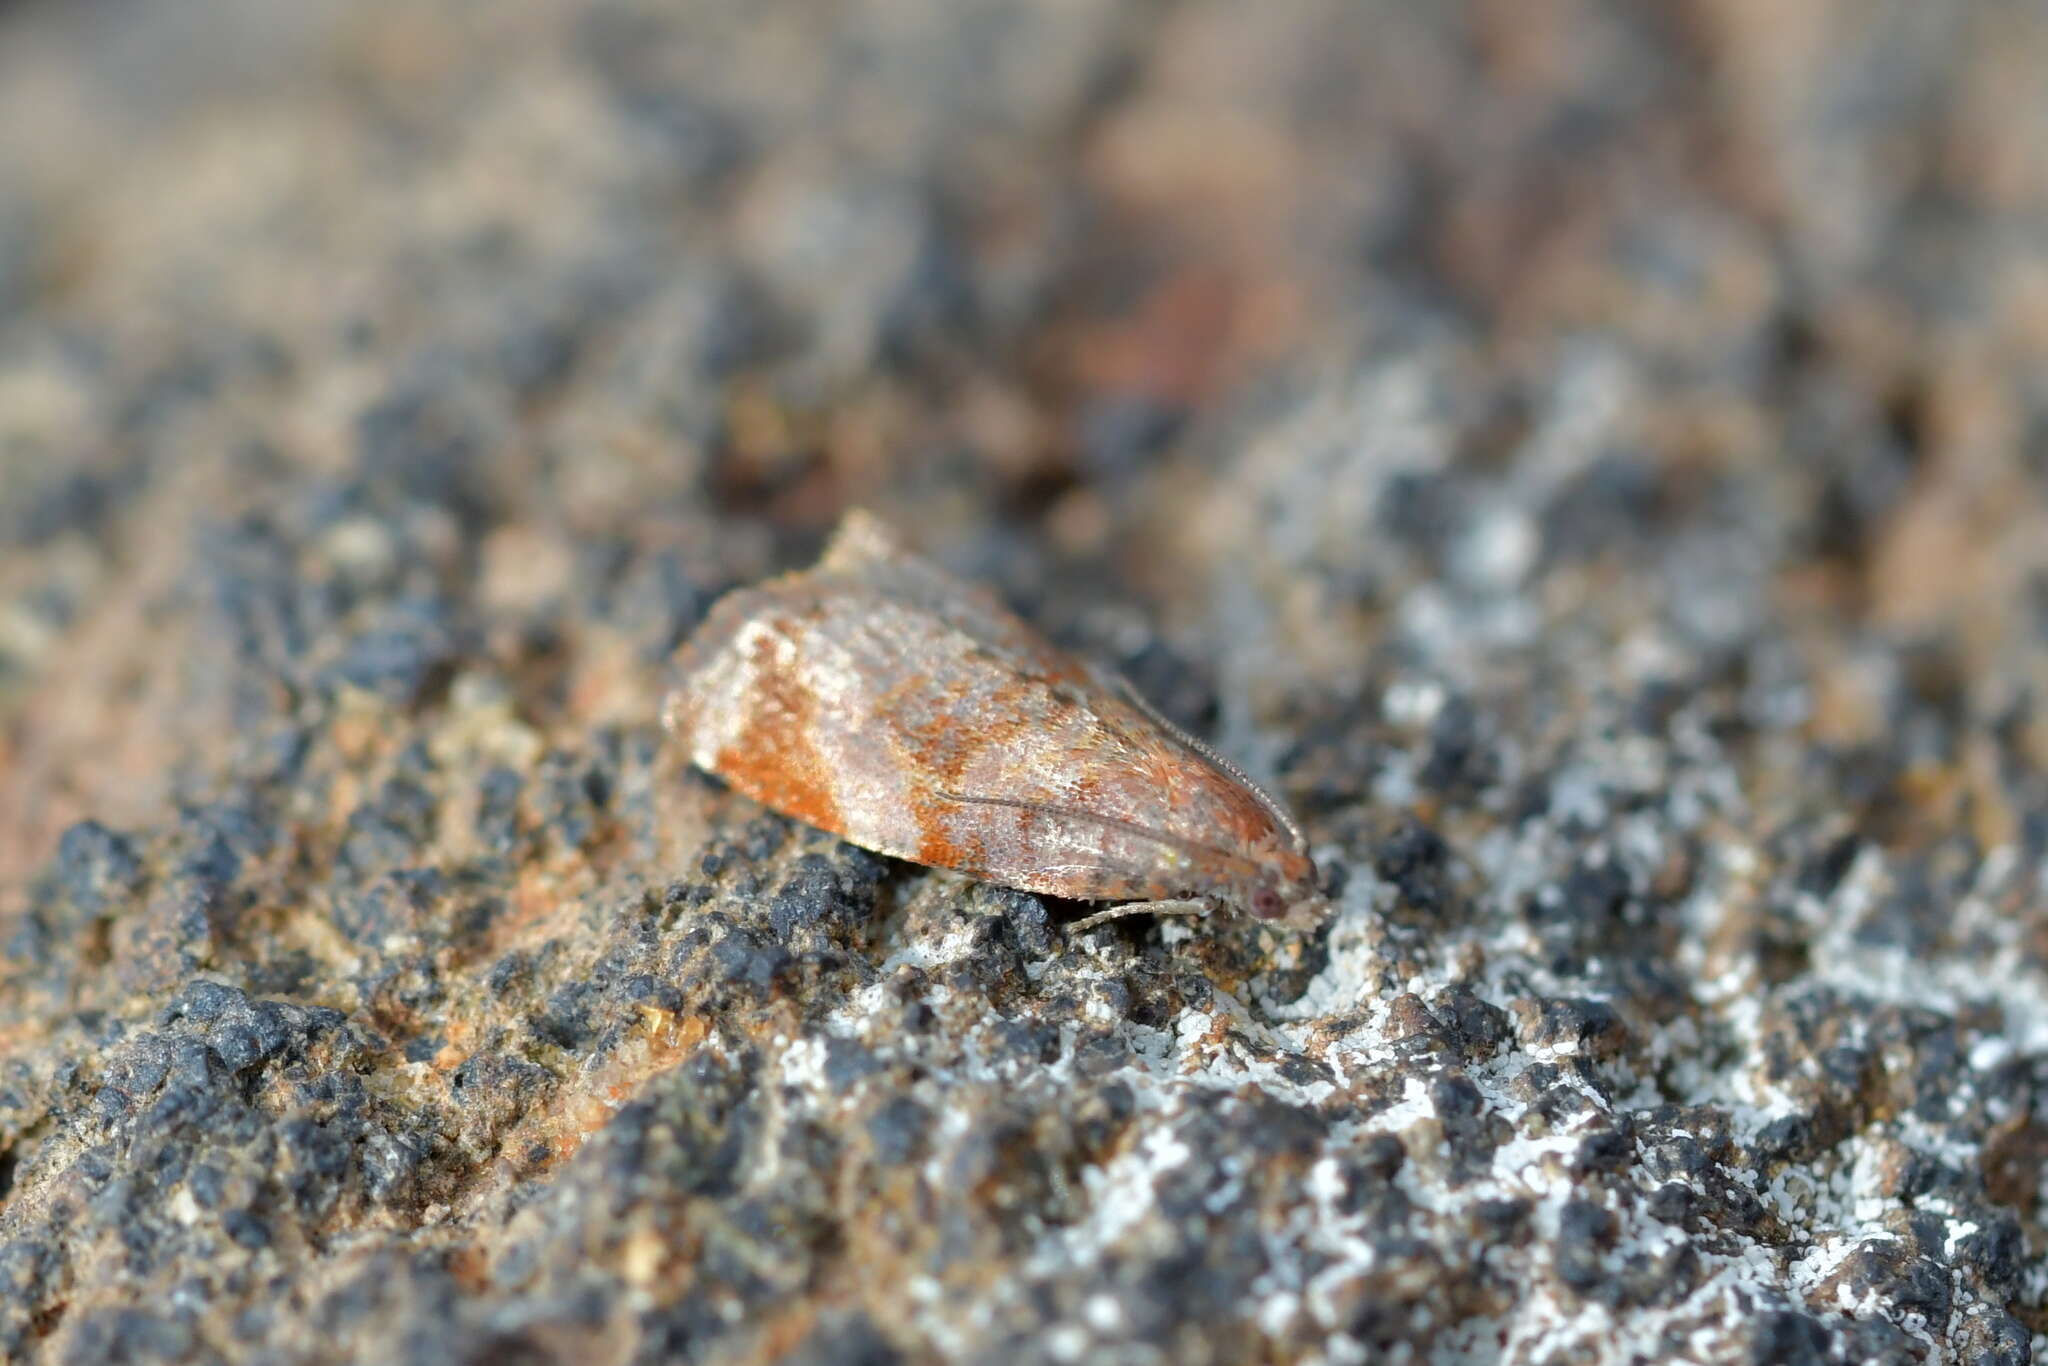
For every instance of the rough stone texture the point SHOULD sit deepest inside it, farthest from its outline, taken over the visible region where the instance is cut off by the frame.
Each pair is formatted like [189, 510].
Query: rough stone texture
[1592, 455]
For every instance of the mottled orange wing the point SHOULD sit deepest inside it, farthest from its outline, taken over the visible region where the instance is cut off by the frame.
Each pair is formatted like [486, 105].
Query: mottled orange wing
[879, 698]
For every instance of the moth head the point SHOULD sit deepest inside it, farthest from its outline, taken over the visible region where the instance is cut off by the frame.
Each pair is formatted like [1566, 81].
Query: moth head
[1290, 893]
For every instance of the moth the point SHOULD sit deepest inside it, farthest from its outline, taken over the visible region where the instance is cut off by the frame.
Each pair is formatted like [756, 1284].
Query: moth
[880, 698]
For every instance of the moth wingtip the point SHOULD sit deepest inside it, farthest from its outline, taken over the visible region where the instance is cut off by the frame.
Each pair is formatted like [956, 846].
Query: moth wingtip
[860, 538]
[673, 718]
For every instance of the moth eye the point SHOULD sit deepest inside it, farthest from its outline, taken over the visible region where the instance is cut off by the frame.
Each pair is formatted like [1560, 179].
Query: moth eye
[1266, 904]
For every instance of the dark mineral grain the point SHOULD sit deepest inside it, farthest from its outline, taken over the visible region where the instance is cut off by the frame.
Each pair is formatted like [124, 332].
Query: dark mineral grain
[1592, 457]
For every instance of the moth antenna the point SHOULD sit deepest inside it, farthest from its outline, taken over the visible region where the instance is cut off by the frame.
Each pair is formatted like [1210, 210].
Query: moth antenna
[1097, 818]
[1206, 753]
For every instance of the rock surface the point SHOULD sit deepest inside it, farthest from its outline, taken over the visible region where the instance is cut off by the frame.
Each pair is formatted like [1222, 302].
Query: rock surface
[1593, 457]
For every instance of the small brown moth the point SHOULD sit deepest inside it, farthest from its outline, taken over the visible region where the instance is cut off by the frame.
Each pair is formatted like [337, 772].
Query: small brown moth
[879, 698]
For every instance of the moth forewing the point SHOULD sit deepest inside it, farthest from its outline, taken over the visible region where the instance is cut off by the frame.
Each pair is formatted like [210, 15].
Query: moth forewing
[879, 698]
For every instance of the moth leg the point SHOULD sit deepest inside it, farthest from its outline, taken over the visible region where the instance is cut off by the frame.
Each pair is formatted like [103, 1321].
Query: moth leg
[1178, 906]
